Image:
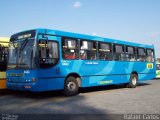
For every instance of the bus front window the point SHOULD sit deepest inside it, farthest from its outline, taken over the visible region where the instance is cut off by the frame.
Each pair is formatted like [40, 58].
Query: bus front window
[21, 54]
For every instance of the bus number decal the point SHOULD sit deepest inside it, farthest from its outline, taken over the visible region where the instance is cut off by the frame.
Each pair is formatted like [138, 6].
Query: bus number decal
[91, 63]
[66, 63]
[149, 65]
[105, 82]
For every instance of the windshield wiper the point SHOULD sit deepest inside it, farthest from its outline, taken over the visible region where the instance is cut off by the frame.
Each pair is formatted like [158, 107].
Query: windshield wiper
[24, 43]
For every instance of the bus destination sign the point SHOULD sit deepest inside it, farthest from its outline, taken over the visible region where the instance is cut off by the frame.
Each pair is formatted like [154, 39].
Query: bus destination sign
[23, 35]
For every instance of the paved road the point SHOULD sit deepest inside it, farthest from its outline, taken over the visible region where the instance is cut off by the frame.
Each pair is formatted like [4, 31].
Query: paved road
[98, 100]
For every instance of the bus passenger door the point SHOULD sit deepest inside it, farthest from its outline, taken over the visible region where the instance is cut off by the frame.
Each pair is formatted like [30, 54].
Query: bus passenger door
[49, 69]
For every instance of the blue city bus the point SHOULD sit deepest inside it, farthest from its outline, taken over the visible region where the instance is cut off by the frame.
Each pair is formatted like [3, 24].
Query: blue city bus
[44, 59]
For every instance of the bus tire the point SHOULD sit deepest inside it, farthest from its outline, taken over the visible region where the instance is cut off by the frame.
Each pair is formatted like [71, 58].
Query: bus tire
[71, 86]
[133, 81]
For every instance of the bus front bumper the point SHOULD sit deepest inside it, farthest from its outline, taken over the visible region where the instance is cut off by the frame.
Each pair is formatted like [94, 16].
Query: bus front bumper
[21, 86]
[38, 86]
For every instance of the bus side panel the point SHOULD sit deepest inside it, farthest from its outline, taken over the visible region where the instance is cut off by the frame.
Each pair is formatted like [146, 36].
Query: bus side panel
[51, 79]
[103, 73]
[144, 77]
[2, 80]
[49, 84]
[157, 70]
[3, 61]
[144, 73]
[103, 80]
[3, 84]
[157, 73]
[94, 73]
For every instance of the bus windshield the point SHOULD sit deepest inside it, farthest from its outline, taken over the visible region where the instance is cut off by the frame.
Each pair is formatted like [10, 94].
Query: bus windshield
[22, 54]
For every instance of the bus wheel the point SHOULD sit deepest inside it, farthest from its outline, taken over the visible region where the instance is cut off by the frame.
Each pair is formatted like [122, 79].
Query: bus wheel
[71, 86]
[133, 81]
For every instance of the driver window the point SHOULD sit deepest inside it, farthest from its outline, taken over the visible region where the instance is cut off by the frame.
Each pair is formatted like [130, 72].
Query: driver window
[52, 49]
[48, 53]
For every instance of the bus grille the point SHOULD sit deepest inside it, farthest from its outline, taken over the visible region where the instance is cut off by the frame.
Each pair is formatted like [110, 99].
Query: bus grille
[17, 80]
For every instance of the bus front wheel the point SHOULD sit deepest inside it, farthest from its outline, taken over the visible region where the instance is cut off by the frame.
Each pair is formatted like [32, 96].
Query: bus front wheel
[133, 81]
[71, 86]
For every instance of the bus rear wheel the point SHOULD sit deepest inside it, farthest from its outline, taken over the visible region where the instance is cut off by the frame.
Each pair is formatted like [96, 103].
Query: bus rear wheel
[71, 86]
[133, 81]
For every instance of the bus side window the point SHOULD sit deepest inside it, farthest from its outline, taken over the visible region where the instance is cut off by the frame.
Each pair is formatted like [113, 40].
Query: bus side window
[130, 53]
[105, 51]
[141, 55]
[158, 67]
[3, 57]
[150, 55]
[88, 50]
[70, 48]
[119, 54]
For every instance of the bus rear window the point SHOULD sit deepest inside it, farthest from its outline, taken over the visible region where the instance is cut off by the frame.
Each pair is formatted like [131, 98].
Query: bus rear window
[150, 55]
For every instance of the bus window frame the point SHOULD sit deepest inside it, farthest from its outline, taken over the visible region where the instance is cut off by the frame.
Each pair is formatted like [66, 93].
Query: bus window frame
[141, 55]
[152, 56]
[134, 53]
[58, 60]
[5, 55]
[157, 66]
[96, 42]
[122, 59]
[77, 41]
[111, 50]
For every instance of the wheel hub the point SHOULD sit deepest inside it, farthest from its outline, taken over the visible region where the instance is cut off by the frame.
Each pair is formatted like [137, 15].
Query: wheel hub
[134, 81]
[71, 86]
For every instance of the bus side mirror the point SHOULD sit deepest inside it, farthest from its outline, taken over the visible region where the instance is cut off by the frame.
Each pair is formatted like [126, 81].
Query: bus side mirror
[45, 37]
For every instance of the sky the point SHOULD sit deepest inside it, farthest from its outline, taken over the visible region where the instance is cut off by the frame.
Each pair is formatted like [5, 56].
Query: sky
[128, 20]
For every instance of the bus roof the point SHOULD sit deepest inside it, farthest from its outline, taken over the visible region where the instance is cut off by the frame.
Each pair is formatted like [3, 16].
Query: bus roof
[88, 37]
[4, 41]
